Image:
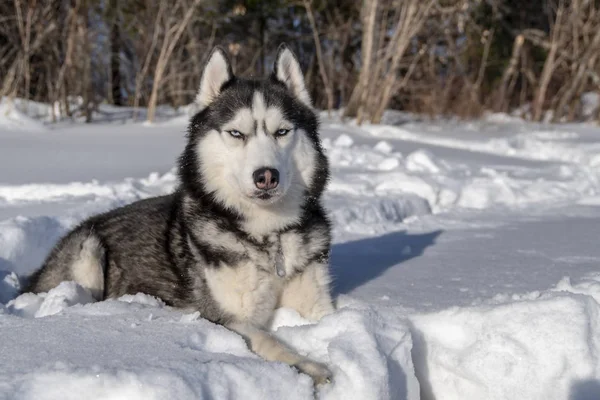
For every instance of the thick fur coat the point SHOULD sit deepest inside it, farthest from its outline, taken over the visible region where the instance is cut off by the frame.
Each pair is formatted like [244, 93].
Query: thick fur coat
[244, 233]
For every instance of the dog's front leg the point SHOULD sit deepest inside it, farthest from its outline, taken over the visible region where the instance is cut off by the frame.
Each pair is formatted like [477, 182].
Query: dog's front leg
[268, 347]
[309, 293]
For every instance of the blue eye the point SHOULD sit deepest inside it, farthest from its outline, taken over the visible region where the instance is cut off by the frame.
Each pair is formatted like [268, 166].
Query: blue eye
[282, 132]
[236, 134]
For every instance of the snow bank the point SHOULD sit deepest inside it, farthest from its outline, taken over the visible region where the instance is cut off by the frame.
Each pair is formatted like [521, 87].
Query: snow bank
[128, 190]
[533, 167]
[369, 354]
[55, 301]
[138, 348]
[25, 242]
[132, 348]
[12, 118]
[539, 345]
[79, 384]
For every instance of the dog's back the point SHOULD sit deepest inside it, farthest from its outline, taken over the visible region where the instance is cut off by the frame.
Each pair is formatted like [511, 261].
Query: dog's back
[136, 248]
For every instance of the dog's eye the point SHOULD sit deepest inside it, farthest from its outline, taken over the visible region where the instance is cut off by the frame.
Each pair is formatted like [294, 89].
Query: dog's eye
[236, 134]
[282, 132]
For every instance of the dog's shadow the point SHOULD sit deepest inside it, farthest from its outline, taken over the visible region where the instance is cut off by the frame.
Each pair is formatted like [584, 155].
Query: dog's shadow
[588, 389]
[356, 263]
[7, 290]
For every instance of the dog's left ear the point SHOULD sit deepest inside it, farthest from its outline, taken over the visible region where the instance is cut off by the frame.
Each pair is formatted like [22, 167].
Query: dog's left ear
[287, 70]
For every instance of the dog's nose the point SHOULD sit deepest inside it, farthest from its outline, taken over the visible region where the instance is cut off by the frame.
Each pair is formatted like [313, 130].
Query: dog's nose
[266, 178]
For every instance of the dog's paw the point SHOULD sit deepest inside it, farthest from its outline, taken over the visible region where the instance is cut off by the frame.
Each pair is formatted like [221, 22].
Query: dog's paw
[319, 373]
[319, 311]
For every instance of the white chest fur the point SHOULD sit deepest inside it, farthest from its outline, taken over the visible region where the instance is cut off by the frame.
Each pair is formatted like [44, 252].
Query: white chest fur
[245, 291]
[250, 289]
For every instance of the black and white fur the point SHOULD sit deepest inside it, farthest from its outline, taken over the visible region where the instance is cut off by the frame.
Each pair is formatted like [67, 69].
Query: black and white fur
[220, 244]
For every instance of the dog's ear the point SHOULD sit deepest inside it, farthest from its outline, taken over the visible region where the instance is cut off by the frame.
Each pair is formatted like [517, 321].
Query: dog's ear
[217, 72]
[287, 70]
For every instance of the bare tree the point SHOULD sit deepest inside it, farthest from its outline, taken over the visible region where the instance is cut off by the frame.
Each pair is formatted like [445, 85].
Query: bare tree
[71, 34]
[147, 49]
[319, 51]
[584, 57]
[412, 15]
[556, 41]
[509, 75]
[572, 64]
[114, 91]
[87, 91]
[450, 57]
[378, 80]
[32, 35]
[359, 96]
[173, 28]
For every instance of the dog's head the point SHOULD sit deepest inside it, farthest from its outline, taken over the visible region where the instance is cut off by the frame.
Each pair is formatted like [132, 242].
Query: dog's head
[254, 146]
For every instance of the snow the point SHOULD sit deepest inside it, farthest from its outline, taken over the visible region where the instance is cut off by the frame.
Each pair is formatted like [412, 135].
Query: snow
[12, 118]
[465, 263]
[537, 346]
[590, 103]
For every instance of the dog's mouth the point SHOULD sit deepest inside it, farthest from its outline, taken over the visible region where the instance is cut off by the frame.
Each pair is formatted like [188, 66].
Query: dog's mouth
[265, 196]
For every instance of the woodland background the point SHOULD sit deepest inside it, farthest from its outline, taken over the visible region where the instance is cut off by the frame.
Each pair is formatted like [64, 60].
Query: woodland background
[435, 57]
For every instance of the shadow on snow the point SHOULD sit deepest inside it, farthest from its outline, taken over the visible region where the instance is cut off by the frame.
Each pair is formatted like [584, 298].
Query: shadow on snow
[356, 263]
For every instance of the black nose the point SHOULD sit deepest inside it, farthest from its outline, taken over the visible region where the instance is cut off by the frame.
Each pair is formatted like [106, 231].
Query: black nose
[266, 178]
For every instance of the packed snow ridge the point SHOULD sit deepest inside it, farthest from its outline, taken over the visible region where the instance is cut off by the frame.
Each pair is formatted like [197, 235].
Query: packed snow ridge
[537, 346]
[466, 266]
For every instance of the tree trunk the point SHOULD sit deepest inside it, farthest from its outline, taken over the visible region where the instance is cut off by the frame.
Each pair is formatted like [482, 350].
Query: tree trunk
[359, 95]
[412, 16]
[141, 75]
[170, 41]
[87, 66]
[115, 55]
[320, 60]
[153, 100]
[549, 65]
[586, 63]
[262, 26]
[411, 20]
[507, 76]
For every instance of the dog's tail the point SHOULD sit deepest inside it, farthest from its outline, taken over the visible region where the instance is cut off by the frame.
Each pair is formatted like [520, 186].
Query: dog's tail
[79, 257]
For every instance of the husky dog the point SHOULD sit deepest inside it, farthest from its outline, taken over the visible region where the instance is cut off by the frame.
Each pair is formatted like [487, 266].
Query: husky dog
[244, 233]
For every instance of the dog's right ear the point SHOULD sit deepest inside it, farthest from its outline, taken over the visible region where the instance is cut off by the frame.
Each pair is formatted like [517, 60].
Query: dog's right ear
[287, 70]
[217, 72]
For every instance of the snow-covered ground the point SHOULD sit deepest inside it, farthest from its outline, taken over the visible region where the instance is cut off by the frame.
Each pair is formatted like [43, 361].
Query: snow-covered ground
[466, 264]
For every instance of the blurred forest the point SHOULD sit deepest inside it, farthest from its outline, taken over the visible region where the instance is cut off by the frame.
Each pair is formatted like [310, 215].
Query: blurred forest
[436, 57]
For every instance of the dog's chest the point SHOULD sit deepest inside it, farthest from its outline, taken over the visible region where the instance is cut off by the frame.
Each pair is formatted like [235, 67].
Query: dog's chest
[249, 289]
